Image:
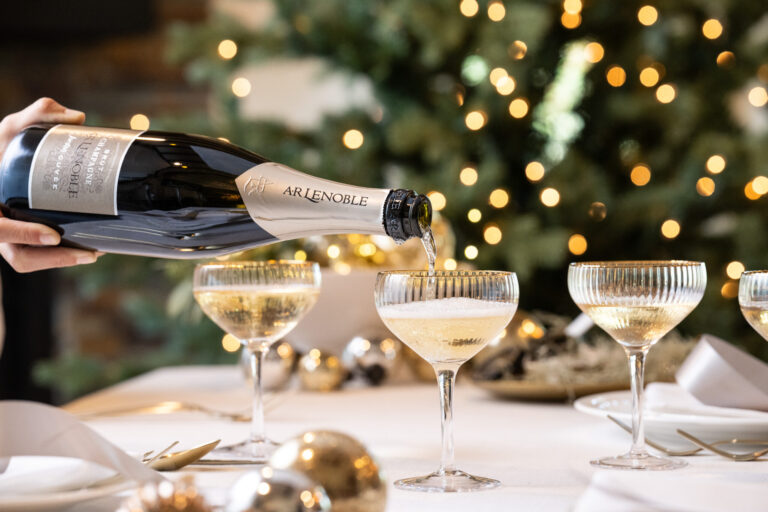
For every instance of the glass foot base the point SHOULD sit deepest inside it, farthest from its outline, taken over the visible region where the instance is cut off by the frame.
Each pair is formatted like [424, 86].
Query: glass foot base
[645, 462]
[257, 452]
[450, 481]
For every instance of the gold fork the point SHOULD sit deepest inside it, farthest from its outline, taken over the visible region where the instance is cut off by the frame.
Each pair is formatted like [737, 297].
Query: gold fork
[739, 457]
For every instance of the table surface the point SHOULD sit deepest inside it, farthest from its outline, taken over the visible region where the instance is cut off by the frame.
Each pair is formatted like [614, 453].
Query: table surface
[539, 451]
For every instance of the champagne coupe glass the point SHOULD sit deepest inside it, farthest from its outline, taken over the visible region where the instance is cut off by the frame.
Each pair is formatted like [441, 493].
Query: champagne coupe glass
[637, 302]
[753, 299]
[258, 302]
[446, 318]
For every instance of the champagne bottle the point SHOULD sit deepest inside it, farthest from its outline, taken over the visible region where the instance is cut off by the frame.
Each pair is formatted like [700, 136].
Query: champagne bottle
[174, 195]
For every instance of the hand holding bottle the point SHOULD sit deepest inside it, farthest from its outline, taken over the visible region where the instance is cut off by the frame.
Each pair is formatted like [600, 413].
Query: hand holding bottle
[28, 246]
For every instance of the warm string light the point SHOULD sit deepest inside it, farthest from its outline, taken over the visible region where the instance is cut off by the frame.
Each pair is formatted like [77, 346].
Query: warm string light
[758, 96]
[570, 21]
[577, 244]
[616, 76]
[497, 74]
[230, 343]
[670, 228]
[333, 251]
[760, 185]
[750, 192]
[649, 76]
[468, 176]
[715, 164]
[594, 52]
[450, 264]
[496, 11]
[640, 175]
[471, 252]
[506, 85]
[647, 15]
[549, 197]
[725, 59]
[139, 122]
[712, 29]
[474, 215]
[666, 93]
[534, 171]
[518, 108]
[437, 199]
[572, 6]
[517, 50]
[469, 7]
[475, 120]
[353, 139]
[730, 290]
[492, 234]
[734, 269]
[227, 49]
[499, 198]
[705, 186]
[241, 87]
[300, 255]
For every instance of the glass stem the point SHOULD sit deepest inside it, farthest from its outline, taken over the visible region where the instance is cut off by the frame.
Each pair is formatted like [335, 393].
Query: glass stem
[636, 374]
[446, 379]
[257, 415]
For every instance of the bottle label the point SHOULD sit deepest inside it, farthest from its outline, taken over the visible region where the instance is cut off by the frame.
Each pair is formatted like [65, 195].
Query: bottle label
[76, 169]
[290, 204]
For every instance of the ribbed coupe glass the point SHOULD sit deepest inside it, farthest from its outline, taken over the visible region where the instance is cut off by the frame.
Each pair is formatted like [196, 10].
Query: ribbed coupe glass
[637, 302]
[446, 318]
[258, 302]
[753, 299]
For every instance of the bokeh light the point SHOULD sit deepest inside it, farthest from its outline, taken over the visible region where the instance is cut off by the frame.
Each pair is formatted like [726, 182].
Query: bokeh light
[734, 269]
[594, 52]
[517, 50]
[712, 29]
[227, 49]
[666, 93]
[616, 76]
[474, 215]
[549, 197]
[716, 164]
[758, 96]
[570, 21]
[534, 171]
[496, 11]
[499, 198]
[353, 139]
[725, 59]
[518, 108]
[649, 76]
[647, 15]
[492, 234]
[670, 228]
[640, 175]
[705, 186]
[577, 244]
[241, 87]
[475, 120]
[470, 252]
[139, 122]
[437, 199]
[468, 176]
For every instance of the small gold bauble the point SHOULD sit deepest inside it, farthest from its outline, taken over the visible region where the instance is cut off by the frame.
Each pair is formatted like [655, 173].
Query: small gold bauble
[321, 372]
[277, 490]
[276, 368]
[166, 496]
[341, 464]
[375, 358]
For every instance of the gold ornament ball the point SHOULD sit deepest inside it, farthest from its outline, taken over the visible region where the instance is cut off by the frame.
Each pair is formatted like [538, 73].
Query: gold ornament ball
[321, 372]
[276, 490]
[166, 496]
[277, 365]
[340, 464]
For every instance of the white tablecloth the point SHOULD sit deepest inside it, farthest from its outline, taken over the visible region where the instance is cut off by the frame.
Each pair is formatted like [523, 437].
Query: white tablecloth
[540, 452]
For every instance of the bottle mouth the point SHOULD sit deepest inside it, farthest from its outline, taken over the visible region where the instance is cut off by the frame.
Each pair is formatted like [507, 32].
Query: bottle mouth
[407, 214]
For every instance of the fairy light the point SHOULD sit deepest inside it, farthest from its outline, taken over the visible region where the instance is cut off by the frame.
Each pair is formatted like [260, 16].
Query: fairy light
[549, 197]
[450, 264]
[666, 93]
[577, 244]
[497, 74]
[647, 15]
[469, 7]
[300, 255]
[518, 108]
[616, 76]
[534, 171]
[570, 21]
[230, 343]
[139, 122]
[333, 251]
[734, 269]
[496, 11]
[471, 252]
[640, 175]
[468, 176]
[705, 186]
[715, 164]
[572, 6]
[499, 198]
[712, 29]
[725, 59]
[670, 229]
[594, 52]
[227, 49]
[437, 199]
[367, 249]
[241, 87]
[758, 96]
[353, 139]
[492, 234]
[475, 120]
[517, 49]
[750, 193]
[760, 185]
[730, 290]
[506, 85]
[474, 215]
[649, 76]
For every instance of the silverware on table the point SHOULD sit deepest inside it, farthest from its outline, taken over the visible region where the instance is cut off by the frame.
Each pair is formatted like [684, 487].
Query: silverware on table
[167, 407]
[177, 460]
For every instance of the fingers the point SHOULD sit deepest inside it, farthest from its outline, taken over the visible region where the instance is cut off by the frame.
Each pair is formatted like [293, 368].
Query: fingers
[44, 110]
[30, 259]
[29, 233]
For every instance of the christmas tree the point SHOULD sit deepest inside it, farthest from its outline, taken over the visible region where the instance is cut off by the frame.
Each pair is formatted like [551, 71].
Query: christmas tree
[544, 132]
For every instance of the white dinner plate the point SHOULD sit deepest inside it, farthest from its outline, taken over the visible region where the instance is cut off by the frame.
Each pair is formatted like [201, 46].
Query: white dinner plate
[52, 483]
[662, 420]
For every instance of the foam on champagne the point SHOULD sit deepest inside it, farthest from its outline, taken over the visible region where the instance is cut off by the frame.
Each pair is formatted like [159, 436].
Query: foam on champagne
[452, 307]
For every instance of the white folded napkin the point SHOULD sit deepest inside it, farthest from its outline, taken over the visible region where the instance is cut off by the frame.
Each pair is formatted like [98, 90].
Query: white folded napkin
[669, 398]
[633, 491]
[42, 475]
[44, 449]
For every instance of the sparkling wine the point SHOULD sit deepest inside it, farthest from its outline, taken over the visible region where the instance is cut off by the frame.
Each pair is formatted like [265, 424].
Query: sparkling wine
[637, 326]
[448, 330]
[183, 196]
[256, 311]
[757, 316]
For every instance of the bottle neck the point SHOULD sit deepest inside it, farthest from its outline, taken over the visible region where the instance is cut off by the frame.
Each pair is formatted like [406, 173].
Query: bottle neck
[406, 214]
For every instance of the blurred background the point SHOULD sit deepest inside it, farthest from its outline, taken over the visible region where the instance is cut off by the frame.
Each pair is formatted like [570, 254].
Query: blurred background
[544, 132]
